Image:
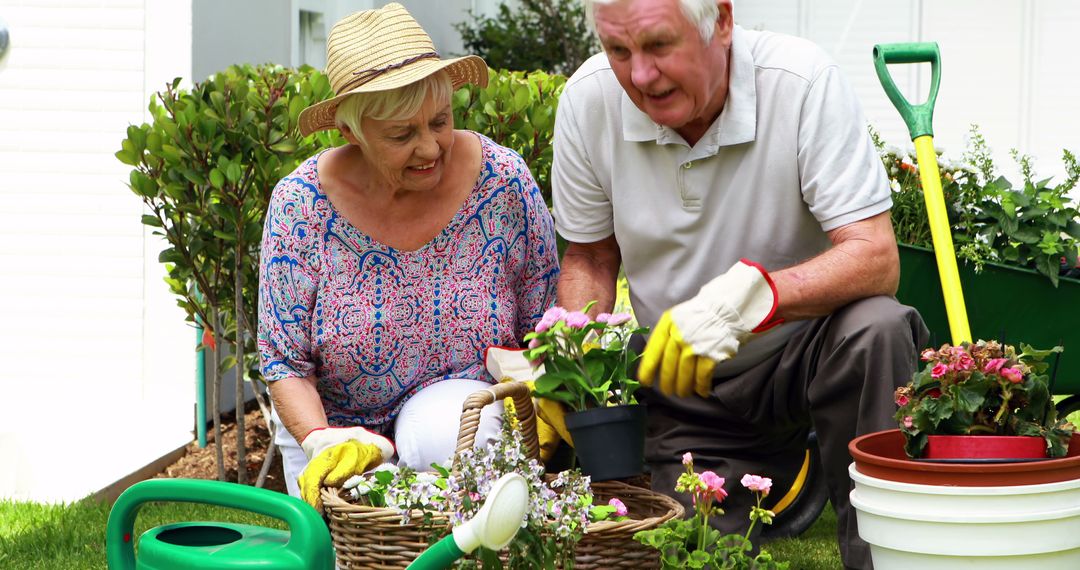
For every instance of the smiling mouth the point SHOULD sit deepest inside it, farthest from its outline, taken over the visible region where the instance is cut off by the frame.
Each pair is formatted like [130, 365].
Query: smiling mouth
[660, 95]
[423, 168]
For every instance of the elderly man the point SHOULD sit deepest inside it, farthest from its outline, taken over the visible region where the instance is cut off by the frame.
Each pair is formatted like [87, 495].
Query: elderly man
[730, 173]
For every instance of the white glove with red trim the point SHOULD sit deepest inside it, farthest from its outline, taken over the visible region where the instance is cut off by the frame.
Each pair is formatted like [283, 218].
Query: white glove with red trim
[694, 336]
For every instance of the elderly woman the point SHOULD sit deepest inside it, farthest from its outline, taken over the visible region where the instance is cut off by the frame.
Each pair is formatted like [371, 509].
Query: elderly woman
[389, 264]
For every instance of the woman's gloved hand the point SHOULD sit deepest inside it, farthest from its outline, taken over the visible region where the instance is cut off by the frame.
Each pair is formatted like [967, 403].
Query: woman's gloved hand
[335, 455]
[694, 336]
[510, 365]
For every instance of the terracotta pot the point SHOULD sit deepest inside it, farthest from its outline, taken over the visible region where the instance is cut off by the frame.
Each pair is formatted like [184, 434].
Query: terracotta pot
[881, 455]
[984, 447]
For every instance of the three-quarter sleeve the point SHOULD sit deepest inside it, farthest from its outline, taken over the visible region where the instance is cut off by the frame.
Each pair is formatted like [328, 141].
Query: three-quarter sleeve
[288, 282]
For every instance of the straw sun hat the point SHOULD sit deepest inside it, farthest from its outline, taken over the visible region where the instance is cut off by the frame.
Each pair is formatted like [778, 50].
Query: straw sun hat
[379, 50]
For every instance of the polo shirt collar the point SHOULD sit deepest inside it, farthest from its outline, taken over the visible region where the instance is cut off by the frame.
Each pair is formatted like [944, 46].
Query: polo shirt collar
[737, 122]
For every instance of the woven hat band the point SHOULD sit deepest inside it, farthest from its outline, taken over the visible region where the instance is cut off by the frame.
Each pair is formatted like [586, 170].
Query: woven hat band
[364, 75]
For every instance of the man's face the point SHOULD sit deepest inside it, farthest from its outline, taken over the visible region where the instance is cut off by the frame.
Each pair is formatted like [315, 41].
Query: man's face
[662, 63]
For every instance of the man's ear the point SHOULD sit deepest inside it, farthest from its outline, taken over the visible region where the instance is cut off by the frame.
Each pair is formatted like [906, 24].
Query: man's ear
[725, 20]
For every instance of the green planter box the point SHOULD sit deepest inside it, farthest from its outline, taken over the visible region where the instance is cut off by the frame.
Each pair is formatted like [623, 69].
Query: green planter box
[1017, 305]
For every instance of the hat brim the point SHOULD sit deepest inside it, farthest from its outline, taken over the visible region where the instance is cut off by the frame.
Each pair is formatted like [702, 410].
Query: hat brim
[462, 70]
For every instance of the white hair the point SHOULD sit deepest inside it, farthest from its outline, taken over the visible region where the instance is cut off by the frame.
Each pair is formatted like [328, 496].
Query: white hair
[392, 105]
[701, 13]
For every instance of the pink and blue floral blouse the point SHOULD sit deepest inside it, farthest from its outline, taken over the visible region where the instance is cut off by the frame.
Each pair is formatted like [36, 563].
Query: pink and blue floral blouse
[374, 324]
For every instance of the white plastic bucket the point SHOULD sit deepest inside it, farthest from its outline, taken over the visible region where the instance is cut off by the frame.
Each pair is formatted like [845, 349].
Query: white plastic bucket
[931, 527]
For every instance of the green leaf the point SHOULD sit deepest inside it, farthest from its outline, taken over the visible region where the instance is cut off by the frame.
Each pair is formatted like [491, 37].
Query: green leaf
[217, 179]
[233, 172]
[149, 220]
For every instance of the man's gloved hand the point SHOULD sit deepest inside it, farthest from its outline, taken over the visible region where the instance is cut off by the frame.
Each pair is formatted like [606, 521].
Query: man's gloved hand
[694, 336]
[335, 455]
[510, 365]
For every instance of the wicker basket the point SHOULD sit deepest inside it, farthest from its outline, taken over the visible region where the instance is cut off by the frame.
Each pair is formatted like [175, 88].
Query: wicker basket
[373, 538]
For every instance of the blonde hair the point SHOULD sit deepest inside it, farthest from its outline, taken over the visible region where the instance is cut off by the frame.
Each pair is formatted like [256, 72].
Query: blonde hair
[701, 13]
[392, 105]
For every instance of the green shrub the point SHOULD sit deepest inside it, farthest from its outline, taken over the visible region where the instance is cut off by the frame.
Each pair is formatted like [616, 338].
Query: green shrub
[1034, 225]
[516, 110]
[205, 170]
[547, 35]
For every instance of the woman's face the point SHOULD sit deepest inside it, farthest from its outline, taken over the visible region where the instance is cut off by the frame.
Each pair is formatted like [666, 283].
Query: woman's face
[410, 154]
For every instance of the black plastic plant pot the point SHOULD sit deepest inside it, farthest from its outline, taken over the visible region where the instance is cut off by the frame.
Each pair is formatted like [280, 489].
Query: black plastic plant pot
[609, 442]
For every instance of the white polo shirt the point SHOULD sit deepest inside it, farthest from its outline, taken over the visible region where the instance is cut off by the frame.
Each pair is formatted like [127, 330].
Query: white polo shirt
[788, 159]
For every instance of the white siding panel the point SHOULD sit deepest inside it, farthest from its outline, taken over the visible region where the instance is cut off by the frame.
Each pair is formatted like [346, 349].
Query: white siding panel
[1055, 119]
[76, 17]
[67, 59]
[87, 307]
[100, 79]
[773, 15]
[75, 39]
[74, 98]
[982, 60]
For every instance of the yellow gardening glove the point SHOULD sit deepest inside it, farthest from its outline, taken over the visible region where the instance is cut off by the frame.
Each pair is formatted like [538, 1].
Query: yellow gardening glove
[694, 336]
[334, 466]
[510, 365]
[335, 455]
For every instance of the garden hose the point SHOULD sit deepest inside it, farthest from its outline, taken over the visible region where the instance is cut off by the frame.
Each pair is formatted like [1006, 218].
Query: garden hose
[919, 120]
[796, 487]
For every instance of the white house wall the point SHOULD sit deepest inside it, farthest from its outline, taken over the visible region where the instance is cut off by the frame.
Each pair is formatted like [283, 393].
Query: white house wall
[98, 364]
[1009, 66]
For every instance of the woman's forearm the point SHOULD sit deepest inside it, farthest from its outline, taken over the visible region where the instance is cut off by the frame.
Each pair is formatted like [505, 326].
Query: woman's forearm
[298, 405]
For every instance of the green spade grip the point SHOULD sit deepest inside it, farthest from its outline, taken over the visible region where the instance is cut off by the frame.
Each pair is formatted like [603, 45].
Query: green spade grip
[919, 118]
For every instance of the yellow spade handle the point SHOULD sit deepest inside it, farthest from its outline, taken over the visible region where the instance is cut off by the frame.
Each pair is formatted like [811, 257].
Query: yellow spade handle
[942, 236]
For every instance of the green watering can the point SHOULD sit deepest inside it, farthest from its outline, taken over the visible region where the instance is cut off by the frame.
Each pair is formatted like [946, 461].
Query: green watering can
[217, 545]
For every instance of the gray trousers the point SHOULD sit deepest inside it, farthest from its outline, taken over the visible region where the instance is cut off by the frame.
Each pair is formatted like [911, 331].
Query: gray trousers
[836, 376]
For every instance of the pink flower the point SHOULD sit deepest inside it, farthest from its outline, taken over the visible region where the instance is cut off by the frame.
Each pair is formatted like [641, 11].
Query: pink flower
[908, 422]
[994, 365]
[619, 319]
[939, 370]
[757, 483]
[576, 320]
[1012, 375]
[714, 484]
[902, 400]
[620, 508]
[964, 361]
[687, 459]
[535, 343]
[603, 317]
[928, 355]
[551, 316]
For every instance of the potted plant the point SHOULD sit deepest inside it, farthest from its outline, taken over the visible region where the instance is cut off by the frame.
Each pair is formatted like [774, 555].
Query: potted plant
[980, 504]
[586, 365]
[982, 400]
[694, 543]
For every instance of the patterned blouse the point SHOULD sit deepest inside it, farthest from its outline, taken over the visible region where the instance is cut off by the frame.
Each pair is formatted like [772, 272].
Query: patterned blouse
[375, 324]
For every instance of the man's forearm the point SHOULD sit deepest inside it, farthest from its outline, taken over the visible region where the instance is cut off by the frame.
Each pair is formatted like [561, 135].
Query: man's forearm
[298, 405]
[863, 262]
[589, 273]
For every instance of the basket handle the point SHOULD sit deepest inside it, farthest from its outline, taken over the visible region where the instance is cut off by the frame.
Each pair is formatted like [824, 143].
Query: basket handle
[523, 406]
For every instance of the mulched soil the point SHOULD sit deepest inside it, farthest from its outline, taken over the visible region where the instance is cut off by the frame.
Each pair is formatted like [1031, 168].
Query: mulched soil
[201, 462]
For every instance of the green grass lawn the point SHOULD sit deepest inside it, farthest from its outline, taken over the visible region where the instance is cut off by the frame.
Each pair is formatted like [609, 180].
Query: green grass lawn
[72, 536]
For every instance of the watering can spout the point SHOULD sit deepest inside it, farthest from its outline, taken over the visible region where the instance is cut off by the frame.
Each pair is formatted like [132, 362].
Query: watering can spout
[493, 527]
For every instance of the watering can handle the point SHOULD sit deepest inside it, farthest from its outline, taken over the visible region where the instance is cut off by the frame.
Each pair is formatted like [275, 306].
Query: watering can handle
[307, 531]
[919, 118]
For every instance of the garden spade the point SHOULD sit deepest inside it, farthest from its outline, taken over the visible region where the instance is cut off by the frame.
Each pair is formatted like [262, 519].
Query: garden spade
[919, 119]
[493, 527]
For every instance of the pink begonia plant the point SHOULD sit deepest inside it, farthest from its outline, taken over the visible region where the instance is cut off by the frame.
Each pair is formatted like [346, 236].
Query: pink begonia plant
[981, 388]
[694, 541]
